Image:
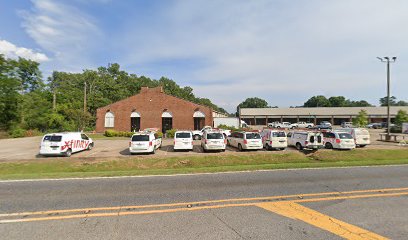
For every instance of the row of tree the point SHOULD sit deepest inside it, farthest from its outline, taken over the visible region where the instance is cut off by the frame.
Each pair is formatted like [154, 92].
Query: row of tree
[322, 101]
[29, 102]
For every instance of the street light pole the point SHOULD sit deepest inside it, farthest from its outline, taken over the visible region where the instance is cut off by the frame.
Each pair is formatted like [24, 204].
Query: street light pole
[388, 61]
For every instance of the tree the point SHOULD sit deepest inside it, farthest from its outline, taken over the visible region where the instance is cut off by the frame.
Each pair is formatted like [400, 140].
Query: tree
[383, 101]
[317, 101]
[361, 120]
[361, 103]
[253, 102]
[338, 101]
[401, 117]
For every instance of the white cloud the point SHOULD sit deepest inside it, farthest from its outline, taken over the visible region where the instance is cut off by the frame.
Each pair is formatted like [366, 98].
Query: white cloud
[12, 51]
[268, 48]
[66, 31]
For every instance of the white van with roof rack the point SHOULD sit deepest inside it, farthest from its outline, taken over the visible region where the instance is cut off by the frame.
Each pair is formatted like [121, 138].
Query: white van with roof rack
[305, 140]
[338, 140]
[361, 135]
[144, 142]
[65, 144]
[213, 140]
[274, 139]
[245, 141]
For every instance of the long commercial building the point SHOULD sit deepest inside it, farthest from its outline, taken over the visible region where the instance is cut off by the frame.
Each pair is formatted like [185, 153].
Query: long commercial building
[335, 115]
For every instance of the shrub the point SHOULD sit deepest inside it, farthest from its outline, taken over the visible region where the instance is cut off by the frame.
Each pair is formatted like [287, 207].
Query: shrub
[225, 127]
[32, 133]
[159, 134]
[113, 133]
[170, 133]
[110, 133]
[396, 129]
[17, 132]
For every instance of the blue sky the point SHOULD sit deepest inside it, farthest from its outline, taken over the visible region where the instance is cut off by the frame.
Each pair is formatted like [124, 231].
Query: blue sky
[282, 51]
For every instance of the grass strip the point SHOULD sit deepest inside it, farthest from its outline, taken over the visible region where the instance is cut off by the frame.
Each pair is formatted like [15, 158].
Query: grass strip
[65, 168]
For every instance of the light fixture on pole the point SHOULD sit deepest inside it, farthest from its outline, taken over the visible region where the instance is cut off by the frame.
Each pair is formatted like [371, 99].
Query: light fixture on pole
[388, 61]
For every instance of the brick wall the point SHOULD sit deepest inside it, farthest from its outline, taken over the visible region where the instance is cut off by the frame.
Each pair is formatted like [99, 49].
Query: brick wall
[150, 103]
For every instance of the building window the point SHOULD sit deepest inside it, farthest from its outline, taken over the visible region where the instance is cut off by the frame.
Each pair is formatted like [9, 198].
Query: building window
[167, 121]
[199, 120]
[109, 120]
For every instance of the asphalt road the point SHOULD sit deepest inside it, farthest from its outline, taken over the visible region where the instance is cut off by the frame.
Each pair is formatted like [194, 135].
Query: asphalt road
[91, 208]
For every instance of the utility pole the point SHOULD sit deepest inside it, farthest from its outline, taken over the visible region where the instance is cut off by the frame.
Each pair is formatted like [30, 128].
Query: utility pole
[388, 61]
[84, 97]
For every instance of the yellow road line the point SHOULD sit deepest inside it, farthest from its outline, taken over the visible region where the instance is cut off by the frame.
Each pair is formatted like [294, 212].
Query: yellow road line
[112, 214]
[317, 219]
[197, 203]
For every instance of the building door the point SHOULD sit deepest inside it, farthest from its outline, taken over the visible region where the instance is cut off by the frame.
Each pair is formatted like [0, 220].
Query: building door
[199, 123]
[167, 124]
[134, 124]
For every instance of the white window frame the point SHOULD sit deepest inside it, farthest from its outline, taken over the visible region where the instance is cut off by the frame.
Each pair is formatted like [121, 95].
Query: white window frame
[109, 120]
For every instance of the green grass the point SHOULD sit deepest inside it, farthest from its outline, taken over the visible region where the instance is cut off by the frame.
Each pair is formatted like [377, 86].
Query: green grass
[64, 168]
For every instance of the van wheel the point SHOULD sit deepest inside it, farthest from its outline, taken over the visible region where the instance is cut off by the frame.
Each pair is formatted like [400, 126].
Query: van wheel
[154, 150]
[90, 146]
[268, 147]
[362, 146]
[282, 149]
[197, 137]
[240, 148]
[68, 153]
[328, 145]
[299, 146]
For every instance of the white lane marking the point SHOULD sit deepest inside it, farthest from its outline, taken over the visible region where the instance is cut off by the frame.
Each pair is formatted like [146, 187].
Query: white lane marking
[197, 174]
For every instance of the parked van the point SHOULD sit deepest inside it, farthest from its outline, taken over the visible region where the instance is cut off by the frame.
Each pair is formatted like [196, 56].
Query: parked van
[245, 140]
[361, 135]
[305, 140]
[338, 140]
[213, 140]
[274, 139]
[65, 143]
[144, 142]
[183, 140]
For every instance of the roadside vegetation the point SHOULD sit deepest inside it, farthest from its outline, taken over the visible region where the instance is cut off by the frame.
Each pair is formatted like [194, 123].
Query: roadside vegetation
[142, 165]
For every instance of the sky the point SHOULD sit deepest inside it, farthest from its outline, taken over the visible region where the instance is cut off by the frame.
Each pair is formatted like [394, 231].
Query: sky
[281, 51]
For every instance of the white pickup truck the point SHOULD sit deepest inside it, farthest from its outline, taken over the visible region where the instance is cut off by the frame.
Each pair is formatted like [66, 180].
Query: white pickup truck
[302, 125]
[197, 134]
[283, 125]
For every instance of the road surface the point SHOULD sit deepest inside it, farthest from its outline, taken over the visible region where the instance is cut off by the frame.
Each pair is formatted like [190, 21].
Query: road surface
[336, 203]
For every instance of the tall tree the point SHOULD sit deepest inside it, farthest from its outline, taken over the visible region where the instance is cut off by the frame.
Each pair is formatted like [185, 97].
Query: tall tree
[361, 120]
[317, 101]
[401, 117]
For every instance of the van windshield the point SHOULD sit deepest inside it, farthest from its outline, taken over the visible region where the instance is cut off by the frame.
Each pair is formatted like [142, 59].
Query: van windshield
[215, 136]
[279, 134]
[52, 138]
[140, 138]
[345, 136]
[253, 136]
[183, 135]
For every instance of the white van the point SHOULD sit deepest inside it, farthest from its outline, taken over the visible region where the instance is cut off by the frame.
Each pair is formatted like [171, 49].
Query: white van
[245, 140]
[144, 142]
[274, 139]
[213, 140]
[305, 140]
[65, 143]
[338, 140]
[361, 135]
[183, 140]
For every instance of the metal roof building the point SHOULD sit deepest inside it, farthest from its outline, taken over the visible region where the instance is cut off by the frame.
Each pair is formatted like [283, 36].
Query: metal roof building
[336, 115]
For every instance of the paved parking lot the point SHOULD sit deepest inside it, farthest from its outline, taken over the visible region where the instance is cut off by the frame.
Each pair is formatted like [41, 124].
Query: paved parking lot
[27, 149]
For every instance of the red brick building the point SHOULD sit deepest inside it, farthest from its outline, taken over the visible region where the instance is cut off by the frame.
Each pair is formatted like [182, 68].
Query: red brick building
[152, 108]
